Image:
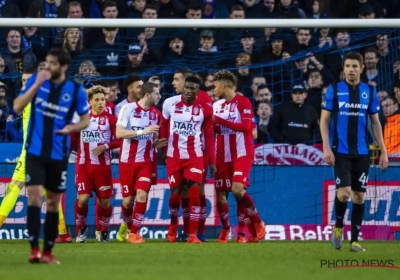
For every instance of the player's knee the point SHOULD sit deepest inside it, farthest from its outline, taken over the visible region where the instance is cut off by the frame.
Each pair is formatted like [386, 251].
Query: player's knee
[358, 197]
[238, 190]
[52, 203]
[141, 196]
[83, 200]
[127, 202]
[221, 198]
[344, 194]
[104, 202]
[34, 196]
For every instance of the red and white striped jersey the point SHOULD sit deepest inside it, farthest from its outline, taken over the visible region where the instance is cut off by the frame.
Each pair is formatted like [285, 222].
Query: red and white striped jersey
[101, 131]
[134, 117]
[119, 106]
[186, 126]
[233, 125]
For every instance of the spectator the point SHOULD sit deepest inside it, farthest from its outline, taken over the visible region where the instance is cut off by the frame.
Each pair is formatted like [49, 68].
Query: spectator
[263, 94]
[396, 90]
[334, 60]
[170, 8]
[95, 8]
[391, 130]
[256, 81]
[207, 44]
[30, 39]
[109, 11]
[8, 9]
[74, 11]
[268, 9]
[367, 12]
[288, 9]
[110, 53]
[192, 35]
[136, 8]
[135, 60]
[243, 73]
[253, 8]
[73, 42]
[294, 122]
[371, 74]
[175, 51]
[264, 112]
[15, 58]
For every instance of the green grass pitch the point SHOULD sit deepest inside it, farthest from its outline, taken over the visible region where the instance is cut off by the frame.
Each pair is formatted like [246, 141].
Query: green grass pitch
[159, 260]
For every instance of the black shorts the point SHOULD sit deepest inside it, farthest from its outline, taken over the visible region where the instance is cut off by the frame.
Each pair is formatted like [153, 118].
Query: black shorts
[51, 174]
[351, 171]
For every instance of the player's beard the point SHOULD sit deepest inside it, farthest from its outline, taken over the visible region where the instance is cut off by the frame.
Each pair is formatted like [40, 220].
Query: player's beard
[55, 75]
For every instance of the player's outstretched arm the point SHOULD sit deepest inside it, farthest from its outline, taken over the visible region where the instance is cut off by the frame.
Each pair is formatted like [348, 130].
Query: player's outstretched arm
[377, 129]
[72, 128]
[31, 88]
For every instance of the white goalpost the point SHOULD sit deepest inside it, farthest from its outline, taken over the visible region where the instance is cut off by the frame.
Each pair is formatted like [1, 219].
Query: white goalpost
[200, 23]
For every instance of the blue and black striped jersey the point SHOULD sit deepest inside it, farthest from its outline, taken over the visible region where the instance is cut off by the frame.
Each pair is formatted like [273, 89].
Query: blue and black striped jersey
[350, 107]
[52, 109]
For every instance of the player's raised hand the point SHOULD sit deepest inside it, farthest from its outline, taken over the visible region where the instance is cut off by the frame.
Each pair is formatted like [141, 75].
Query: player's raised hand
[383, 160]
[66, 130]
[98, 150]
[213, 170]
[159, 143]
[43, 76]
[329, 157]
[151, 129]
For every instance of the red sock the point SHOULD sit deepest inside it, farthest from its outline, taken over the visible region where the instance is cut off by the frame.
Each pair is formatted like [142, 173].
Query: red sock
[138, 215]
[185, 215]
[127, 215]
[203, 214]
[194, 208]
[174, 204]
[96, 215]
[223, 212]
[105, 217]
[251, 208]
[80, 216]
[242, 218]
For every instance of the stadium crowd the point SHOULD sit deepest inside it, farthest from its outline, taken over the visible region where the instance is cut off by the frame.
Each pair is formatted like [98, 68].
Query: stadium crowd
[285, 72]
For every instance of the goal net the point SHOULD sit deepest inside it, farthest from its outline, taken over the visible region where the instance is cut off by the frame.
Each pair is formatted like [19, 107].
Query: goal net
[292, 187]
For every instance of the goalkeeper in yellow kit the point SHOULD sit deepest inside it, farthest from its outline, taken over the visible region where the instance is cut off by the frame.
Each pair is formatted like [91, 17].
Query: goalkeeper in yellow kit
[18, 179]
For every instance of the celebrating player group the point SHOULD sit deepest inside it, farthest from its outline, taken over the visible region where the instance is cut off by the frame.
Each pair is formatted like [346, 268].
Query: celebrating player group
[196, 137]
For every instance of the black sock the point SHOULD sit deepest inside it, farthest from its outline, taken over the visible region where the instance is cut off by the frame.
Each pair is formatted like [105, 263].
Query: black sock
[33, 224]
[357, 217]
[340, 209]
[50, 230]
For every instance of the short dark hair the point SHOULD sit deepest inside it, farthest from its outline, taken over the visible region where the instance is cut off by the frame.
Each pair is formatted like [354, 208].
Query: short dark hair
[303, 28]
[236, 8]
[355, 56]
[108, 4]
[14, 29]
[194, 7]
[371, 50]
[186, 72]
[150, 7]
[63, 56]
[147, 88]
[390, 97]
[132, 78]
[193, 79]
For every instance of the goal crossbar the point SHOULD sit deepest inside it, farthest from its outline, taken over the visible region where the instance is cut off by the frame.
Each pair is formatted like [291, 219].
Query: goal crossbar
[200, 23]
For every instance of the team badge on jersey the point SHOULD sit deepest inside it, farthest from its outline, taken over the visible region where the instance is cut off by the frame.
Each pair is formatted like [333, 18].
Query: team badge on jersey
[137, 115]
[102, 121]
[152, 116]
[196, 111]
[233, 107]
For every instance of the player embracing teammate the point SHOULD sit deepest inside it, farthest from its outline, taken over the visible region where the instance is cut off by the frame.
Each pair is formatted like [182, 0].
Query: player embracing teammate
[184, 120]
[233, 116]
